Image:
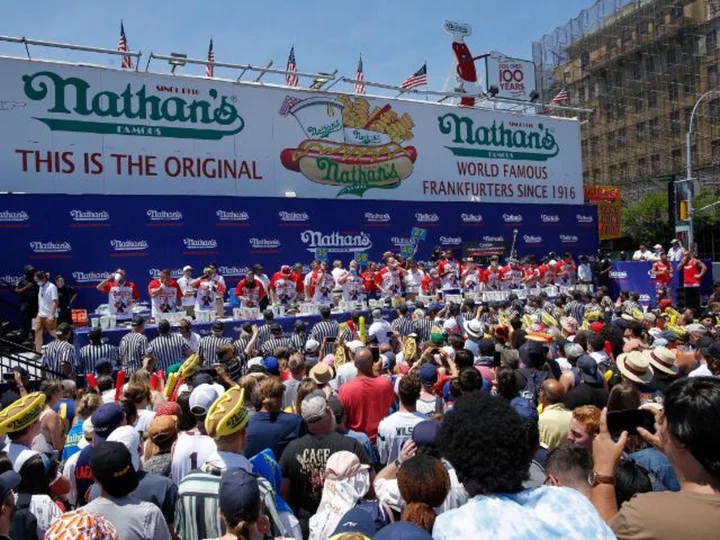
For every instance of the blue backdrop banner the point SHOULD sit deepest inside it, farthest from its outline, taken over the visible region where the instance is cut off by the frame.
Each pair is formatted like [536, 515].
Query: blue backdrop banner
[84, 237]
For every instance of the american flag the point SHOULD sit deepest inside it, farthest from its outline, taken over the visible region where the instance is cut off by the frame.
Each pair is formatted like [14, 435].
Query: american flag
[290, 78]
[418, 78]
[210, 67]
[288, 104]
[360, 79]
[561, 98]
[123, 47]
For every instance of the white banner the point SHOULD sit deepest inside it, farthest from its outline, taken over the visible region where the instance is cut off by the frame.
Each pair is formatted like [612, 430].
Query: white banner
[514, 78]
[70, 129]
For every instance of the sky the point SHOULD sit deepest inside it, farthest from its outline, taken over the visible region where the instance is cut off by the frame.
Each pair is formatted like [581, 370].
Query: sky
[395, 37]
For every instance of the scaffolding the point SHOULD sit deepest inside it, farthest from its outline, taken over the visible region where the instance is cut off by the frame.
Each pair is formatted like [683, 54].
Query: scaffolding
[641, 65]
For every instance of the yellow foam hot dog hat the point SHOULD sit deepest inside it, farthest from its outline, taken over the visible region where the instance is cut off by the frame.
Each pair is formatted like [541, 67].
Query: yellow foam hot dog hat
[227, 415]
[22, 413]
[189, 366]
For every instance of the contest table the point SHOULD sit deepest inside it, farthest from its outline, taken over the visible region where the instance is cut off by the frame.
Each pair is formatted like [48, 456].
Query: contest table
[232, 326]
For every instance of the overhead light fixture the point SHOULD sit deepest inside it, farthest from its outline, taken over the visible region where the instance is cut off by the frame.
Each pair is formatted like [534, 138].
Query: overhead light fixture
[177, 60]
[290, 194]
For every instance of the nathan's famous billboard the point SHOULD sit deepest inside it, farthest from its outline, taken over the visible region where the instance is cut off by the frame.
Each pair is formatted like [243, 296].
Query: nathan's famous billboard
[70, 129]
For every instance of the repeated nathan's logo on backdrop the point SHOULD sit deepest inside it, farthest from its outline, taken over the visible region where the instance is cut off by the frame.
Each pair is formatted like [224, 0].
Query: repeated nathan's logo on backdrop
[422, 217]
[493, 238]
[232, 215]
[335, 242]
[129, 245]
[374, 217]
[198, 244]
[89, 216]
[12, 216]
[512, 219]
[50, 247]
[174, 272]
[264, 243]
[475, 219]
[584, 219]
[350, 145]
[233, 271]
[134, 111]
[532, 239]
[164, 218]
[550, 219]
[402, 241]
[90, 277]
[450, 240]
[568, 239]
[293, 217]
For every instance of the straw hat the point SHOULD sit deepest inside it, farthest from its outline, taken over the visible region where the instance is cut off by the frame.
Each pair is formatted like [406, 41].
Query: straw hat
[22, 413]
[227, 415]
[662, 359]
[635, 366]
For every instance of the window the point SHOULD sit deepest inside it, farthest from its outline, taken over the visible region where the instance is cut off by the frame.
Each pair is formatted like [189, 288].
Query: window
[712, 76]
[689, 84]
[711, 40]
[642, 167]
[621, 136]
[677, 159]
[676, 12]
[610, 140]
[653, 128]
[673, 93]
[618, 77]
[715, 110]
[595, 142]
[675, 123]
[639, 103]
[652, 99]
[609, 111]
[581, 93]
[655, 164]
[671, 56]
[624, 171]
[715, 148]
[613, 174]
[650, 64]
[640, 131]
[620, 109]
[688, 114]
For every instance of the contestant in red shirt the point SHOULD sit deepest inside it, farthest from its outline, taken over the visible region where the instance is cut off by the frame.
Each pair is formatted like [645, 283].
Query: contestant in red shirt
[693, 270]
[431, 282]
[368, 278]
[283, 288]
[165, 294]
[250, 291]
[531, 275]
[494, 274]
[662, 271]
[297, 277]
[366, 398]
[389, 279]
[122, 294]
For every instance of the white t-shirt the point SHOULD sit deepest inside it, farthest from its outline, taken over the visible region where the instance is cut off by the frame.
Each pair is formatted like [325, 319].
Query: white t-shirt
[143, 422]
[120, 301]
[323, 289]
[336, 273]
[262, 278]
[165, 301]
[346, 373]
[44, 510]
[47, 293]
[69, 473]
[642, 255]
[413, 281]
[186, 289]
[393, 431]
[380, 329]
[190, 452]
[206, 295]
[352, 288]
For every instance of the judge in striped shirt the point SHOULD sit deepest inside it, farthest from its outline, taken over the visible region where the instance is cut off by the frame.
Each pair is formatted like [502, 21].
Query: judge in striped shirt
[168, 348]
[59, 355]
[98, 352]
[133, 346]
[210, 344]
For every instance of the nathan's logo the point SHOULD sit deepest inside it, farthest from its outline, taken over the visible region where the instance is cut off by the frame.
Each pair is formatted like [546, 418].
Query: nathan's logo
[197, 243]
[233, 271]
[530, 239]
[163, 215]
[134, 111]
[350, 145]
[644, 298]
[493, 239]
[336, 242]
[293, 217]
[264, 243]
[584, 219]
[129, 245]
[402, 241]
[50, 247]
[9, 216]
[450, 240]
[497, 141]
[426, 218]
[89, 215]
[550, 218]
[371, 217]
[232, 215]
[90, 277]
[512, 218]
[618, 274]
[471, 218]
[175, 272]
[568, 239]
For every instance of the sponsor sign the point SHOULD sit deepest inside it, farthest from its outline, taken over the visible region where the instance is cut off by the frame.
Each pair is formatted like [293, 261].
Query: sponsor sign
[335, 242]
[485, 247]
[164, 218]
[609, 211]
[113, 131]
[514, 78]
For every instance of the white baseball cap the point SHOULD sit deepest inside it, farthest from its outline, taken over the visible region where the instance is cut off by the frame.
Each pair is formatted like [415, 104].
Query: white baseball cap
[201, 399]
[354, 345]
[187, 267]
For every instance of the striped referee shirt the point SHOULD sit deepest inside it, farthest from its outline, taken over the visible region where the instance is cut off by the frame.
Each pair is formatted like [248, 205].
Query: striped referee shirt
[91, 355]
[273, 343]
[328, 329]
[297, 342]
[57, 352]
[405, 325]
[263, 334]
[575, 310]
[133, 347]
[423, 327]
[168, 349]
[209, 346]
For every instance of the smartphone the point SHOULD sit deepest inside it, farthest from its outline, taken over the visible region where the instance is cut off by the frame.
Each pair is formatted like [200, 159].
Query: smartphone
[9, 376]
[375, 351]
[330, 340]
[497, 359]
[629, 420]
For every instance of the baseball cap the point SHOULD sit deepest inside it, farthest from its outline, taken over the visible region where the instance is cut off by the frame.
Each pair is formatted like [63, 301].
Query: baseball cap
[425, 433]
[272, 365]
[112, 467]
[356, 520]
[168, 408]
[311, 345]
[228, 414]
[218, 326]
[437, 338]
[486, 347]
[187, 267]
[239, 491]
[313, 406]
[107, 418]
[81, 525]
[428, 374]
[388, 360]
[130, 437]
[696, 328]
[163, 430]
[9, 480]
[377, 314]
[713, 351]
[63, 329]
[201, 399]
[402, 530]
[354, 345]
[587, 366]
[164, 326]
[596, 327]
[138, 320]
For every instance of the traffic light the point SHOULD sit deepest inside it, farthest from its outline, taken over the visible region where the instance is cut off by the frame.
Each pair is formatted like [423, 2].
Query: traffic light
[683, 210]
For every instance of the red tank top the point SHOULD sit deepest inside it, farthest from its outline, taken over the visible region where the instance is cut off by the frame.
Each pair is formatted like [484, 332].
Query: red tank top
[690, 272]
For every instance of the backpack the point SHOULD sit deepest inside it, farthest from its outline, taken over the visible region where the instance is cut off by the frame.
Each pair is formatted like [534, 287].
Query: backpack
[24, 522]
[533, 381]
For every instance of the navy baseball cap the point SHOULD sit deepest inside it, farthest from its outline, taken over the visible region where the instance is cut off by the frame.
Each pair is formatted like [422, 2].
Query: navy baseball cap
[425, 433]
[402, 530]
[428, 373]
[239, 490]
[106, 418]
[355, 520]
[138, 320]
[272, 365]
[9, 480]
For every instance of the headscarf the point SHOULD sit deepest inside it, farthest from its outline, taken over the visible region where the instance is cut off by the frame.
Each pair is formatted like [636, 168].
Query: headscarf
[346, 482]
